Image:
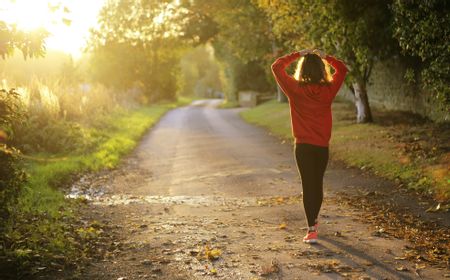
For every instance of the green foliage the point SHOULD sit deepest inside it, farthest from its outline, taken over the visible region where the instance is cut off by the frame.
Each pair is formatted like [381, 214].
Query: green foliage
[136, 47]
[356, 31]
[421, 28]
[240, 35]
[237, 76]
[200, 73]
[38, 134]
[10, 111]
[243, 30]
[31, 44]
[11, 175]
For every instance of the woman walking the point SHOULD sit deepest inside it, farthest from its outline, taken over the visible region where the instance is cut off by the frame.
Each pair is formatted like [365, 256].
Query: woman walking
[310, 96]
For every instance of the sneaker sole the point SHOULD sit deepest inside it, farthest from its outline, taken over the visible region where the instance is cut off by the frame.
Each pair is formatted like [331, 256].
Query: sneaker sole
[310, 241]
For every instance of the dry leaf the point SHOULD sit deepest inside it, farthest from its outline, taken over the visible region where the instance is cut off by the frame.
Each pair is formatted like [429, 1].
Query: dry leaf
[212, 254]
[401, 268]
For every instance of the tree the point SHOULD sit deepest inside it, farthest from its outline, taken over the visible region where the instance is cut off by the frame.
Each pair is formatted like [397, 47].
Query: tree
[239, 32]
[137, 43]
[421, 28]
[200, 73]
[31, 44]
[356, 31]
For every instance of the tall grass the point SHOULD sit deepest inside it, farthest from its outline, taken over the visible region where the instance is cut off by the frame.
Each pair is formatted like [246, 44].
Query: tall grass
[56, 114]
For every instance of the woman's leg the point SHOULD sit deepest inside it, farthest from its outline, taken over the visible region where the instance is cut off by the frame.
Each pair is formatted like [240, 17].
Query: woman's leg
[321, 161]
[305, 155]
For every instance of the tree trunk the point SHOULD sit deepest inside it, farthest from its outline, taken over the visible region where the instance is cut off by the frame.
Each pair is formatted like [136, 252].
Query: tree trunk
[363, 113]
[280, 96]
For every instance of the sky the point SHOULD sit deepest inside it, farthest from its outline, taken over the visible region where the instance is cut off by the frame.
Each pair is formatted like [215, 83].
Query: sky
[49, 14]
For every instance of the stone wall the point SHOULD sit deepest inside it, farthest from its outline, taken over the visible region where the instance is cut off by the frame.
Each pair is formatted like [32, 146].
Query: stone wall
[388, 89]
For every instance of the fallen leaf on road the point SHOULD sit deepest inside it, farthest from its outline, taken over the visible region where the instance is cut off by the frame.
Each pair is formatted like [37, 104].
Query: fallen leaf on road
[213, 271]
[401, 268]
[420, 266]
[211, 254]
[282, 226]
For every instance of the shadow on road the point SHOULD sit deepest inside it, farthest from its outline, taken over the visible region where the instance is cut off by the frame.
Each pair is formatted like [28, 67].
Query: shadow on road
[352, 251]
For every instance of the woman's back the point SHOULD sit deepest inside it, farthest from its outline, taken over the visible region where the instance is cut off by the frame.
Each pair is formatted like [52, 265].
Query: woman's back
[310, 103]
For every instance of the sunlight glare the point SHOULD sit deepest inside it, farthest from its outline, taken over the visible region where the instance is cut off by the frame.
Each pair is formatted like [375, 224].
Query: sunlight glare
[52, 15]
[27, 15]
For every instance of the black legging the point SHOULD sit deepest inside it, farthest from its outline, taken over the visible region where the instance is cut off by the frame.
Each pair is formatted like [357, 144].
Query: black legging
[311, 162]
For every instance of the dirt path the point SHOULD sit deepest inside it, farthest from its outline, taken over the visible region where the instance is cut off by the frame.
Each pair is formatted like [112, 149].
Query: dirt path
[207, 196]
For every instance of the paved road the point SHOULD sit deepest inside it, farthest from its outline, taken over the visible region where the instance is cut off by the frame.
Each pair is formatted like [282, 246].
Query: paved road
[208, 196]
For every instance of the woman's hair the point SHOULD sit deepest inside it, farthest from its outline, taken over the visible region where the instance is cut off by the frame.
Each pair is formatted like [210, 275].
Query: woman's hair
[311, 69]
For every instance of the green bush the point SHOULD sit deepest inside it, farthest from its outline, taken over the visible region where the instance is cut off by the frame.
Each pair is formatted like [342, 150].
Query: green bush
[12, 178]
[37, 135]
[11, 175]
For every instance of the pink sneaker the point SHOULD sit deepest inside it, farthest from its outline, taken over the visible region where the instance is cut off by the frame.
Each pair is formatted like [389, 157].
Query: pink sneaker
[312, 235]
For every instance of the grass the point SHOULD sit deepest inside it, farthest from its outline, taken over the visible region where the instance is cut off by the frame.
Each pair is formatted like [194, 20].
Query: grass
[227, 104]
[123, 131]
[45, 221]
[397, 146]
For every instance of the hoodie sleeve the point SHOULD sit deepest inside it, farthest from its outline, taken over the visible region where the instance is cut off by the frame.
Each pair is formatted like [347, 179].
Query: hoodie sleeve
[339, 74]
[285, 81]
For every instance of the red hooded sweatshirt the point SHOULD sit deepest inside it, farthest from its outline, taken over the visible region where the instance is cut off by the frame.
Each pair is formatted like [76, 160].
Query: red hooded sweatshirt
[310, 104]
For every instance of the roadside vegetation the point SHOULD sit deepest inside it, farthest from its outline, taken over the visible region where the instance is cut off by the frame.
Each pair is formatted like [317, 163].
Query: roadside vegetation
[227, 104]
[42, 229]
[398, 146]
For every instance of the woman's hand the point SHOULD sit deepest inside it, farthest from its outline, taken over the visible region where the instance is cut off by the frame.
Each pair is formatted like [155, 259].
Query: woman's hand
[320, 53]
[305, 52]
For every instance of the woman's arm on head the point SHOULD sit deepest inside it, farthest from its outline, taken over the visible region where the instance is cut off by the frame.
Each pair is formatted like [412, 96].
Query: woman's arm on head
[285, 81]
[340, 70]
